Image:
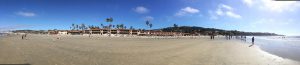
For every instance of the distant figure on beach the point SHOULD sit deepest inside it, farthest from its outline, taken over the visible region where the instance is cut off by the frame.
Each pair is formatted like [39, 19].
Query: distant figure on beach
[25, 35]
[22, 37]
[211, 35]
[245, 38]
[252, 40]
[241, 38]
[90, 35]
[57, 37]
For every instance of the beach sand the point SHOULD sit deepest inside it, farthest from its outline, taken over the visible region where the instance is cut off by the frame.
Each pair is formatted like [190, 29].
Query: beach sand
[82, 50]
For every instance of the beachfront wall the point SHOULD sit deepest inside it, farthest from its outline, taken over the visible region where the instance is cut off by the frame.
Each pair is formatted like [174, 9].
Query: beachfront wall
[62, 32]
[117, 31]
[75, 32]
[160, 33]
[95, 31]
[112, 31]
[124, 31]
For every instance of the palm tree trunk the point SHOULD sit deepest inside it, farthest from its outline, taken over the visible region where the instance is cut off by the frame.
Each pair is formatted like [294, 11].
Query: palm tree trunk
[109, 29]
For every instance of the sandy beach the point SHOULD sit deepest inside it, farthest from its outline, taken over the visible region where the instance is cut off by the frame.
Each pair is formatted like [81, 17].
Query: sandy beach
[82, 50]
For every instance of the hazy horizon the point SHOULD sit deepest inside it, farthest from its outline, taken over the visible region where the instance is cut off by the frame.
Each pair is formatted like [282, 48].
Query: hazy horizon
[279, 17]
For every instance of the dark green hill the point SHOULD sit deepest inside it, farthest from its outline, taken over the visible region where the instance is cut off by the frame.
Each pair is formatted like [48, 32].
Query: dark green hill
[206, 31]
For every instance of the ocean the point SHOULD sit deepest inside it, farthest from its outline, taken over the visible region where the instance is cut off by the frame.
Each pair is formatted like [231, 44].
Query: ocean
[285, 47]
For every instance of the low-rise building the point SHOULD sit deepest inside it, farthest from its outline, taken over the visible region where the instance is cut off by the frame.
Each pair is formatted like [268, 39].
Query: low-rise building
[62, 32]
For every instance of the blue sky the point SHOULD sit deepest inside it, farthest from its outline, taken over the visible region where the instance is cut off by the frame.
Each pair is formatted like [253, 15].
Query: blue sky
[280, 17]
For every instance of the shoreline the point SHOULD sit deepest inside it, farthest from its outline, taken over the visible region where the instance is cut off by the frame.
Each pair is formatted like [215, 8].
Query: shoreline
[282, 47]
[78, 50]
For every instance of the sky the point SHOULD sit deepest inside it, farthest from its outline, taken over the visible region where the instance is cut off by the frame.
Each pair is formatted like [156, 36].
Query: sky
[281, 17]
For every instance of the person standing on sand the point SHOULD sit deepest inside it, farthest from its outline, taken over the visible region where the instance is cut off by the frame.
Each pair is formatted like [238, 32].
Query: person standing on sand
[22, 37]
[252, 40]
[25, 36]
[213, 35]
[245, 38]
[90, 35]
[242, 37]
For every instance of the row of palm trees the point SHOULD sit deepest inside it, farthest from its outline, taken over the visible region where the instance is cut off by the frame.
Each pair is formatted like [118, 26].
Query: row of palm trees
[78, 27]
[149, 24]
[110, 26]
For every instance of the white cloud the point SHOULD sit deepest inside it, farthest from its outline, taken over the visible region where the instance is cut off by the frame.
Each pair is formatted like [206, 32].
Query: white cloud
[279, 6]
[225, 7]
[248, 2]
[219, 12]
[26, 14]
[190, 10]
[233, 15]
[141, 10]
[224, 10]
[150, 18]
[180, 13]
[187, 10]
[273, 6]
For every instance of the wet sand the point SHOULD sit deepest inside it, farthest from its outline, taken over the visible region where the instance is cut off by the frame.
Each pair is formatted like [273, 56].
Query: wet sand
[82, 50]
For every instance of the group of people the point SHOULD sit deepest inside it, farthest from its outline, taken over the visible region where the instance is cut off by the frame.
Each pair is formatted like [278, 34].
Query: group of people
[212, 36]
[24, 36]
[228, 37]
[243, 38]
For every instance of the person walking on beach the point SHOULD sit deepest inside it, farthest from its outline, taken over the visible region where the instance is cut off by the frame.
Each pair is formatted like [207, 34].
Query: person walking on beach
[245, 38]
[90, 35]
[252, 40]
[22, 37]
[241, 38]
[211, 35]
[25, 35]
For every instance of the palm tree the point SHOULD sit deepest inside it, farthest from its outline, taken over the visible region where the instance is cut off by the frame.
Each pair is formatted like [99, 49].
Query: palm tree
[148, 24]
[89, 26]
[118, 26]
[131, 27]
[176, 27]
[109, 20]
[73, 26]
[77, 26]
[83, 27]
[102, 25]
[122, 26]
